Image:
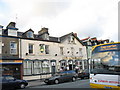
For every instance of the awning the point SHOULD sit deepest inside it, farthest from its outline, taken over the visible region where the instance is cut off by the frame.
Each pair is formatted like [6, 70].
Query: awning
[45, 60]
[53, 60]
[70, 60]
[27, 59]
[62, 60]
[11, 61]
[77, 60]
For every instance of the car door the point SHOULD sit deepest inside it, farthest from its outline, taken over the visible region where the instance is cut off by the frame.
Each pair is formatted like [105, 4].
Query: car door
[6, 84]
[11, 81]
[63, 77]
[3, 83]
[69, 75]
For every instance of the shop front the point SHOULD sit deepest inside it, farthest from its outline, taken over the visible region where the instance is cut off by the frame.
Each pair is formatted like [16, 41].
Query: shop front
[53, 66]
[63, 64]
[12, 67]
[70, 64]
[36, 66]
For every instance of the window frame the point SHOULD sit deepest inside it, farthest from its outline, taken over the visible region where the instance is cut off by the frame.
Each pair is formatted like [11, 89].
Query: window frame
[32, 48]
[0, 47]
[13, 48]
[30, 34]
[47, 51]
[61, 50]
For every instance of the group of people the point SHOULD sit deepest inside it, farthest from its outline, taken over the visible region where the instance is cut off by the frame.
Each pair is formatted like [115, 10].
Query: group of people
[67, 68]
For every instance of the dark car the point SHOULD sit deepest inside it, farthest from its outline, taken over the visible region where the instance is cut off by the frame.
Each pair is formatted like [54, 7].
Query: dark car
[62, 77]
[9, 82]
[84, 74]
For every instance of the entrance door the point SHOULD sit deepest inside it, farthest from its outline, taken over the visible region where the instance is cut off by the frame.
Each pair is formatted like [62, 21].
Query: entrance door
[53, 69]
[70, 66]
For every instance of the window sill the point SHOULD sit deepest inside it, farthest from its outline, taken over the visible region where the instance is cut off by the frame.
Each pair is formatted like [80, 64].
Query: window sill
[14, 54]
[31, 54]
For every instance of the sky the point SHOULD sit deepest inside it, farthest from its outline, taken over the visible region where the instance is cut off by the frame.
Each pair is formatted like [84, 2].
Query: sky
[87, 18]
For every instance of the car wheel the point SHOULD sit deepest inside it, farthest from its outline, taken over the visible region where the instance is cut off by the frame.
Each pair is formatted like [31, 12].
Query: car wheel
[22, 85]
[56, 81]
[73, 79]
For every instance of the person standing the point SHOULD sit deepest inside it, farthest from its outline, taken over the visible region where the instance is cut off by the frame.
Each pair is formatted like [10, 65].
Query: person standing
[76, 69]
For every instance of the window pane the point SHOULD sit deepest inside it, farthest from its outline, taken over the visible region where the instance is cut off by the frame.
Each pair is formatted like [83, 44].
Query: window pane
[13, 48]
[30, 48]
[47, 49]
[61, 50]
[42, 48]
[30, 34]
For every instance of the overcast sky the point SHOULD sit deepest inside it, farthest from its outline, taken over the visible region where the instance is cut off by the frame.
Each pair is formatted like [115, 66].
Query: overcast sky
[94, 18]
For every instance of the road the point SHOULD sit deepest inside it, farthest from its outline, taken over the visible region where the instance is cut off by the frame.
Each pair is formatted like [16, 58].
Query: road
[77, 84]
[71, 85]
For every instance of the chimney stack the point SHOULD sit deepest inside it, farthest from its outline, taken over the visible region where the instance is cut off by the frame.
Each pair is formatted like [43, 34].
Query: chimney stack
[75, 34]
[43, 30]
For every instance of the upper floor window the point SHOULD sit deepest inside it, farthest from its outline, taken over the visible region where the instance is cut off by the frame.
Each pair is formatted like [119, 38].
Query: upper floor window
[30, 48]
[72, 50]
[0, 47]
[71, 39]
[80, 51]
[13, 48]
[88, 43]
[30, 34]
[46, 49]
[0, 32]
[46, 37]
[41, 48]
[61, 50]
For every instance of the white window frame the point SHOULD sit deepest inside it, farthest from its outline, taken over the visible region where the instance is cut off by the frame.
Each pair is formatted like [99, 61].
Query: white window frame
[61, 50]
[72, 50]
[33, 48]
[13, 48]
[41, 49]
[30, 34]
[48, 51]
[80, 52]
[0, 47]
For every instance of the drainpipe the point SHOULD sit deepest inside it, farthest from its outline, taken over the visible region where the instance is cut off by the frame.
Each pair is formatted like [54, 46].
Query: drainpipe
[87, 57]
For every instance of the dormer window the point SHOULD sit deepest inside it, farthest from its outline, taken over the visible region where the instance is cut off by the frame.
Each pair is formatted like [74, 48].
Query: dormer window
[71, 39]
[46, 37]
[30, 34]
[1, 27]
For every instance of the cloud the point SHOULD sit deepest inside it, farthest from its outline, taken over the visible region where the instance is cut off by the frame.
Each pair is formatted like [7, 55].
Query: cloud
[85, 17]
[49, 9]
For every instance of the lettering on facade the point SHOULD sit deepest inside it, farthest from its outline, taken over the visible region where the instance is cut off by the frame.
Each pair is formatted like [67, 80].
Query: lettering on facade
[69, 58]
[110, 47]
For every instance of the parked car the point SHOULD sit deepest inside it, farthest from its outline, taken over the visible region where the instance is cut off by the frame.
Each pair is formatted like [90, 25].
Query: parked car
[62, 77]
[9, 82]
[84, 74]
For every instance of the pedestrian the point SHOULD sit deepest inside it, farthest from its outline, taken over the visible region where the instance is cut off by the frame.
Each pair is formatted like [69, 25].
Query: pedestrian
[76, 69]
[67, 68]
[61, 69]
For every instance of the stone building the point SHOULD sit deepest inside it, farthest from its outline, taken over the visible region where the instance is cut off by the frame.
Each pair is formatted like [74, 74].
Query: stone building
[10, 62]
[89, 43]
[30, 54]
[45, 54]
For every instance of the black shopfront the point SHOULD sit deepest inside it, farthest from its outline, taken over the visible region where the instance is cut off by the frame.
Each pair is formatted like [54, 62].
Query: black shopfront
[12, 67]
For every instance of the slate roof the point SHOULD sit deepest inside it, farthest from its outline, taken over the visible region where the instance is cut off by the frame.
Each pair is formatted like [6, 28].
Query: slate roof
[22, 35]
[65, 36]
